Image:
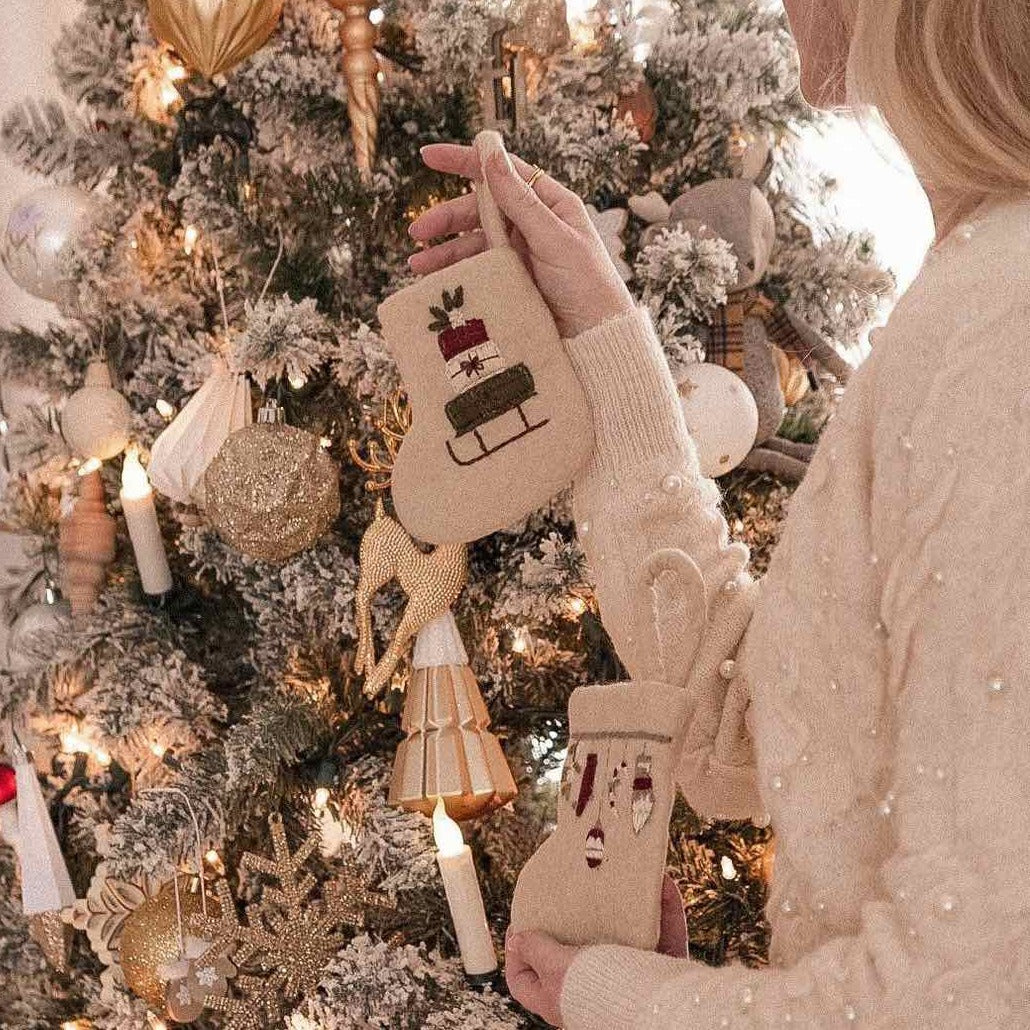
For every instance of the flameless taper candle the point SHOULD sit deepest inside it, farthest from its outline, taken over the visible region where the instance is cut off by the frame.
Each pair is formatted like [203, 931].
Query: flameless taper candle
[464, 898]
[137, 498]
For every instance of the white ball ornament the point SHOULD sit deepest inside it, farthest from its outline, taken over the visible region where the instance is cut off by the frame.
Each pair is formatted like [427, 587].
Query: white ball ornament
[33, 632]
[96, 419]
[721, 416]
[41, 230]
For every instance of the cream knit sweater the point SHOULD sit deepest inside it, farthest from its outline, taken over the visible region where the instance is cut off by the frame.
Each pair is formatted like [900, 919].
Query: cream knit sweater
[885, 656]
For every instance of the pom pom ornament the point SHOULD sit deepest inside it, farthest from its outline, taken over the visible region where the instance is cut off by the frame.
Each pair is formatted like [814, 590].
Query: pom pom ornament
[721, 416]
[86, 545]
[213, 36]
[271, 490]
[96, 419]
[448, 753]
[182, 453]
[41, 232]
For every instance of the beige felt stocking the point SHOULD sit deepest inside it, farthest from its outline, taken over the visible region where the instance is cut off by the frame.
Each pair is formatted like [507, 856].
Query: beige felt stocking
[499, 420]
[598, 877]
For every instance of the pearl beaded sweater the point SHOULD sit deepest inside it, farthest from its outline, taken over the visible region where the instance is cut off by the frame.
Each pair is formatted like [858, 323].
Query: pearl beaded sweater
[882, 666]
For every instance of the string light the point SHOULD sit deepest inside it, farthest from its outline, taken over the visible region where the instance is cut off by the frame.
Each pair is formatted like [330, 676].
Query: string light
[89, 465]
[74, 743]
[103, 757]
[164, 409]
[158, 749]
[577, 606]
[729, 870]
[297, 380]
[376, 15]
[321, 798]
[214, 860]
[190, 236]
[520, 640]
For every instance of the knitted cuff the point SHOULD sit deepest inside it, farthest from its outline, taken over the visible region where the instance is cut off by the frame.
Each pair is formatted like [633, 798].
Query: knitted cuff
[608, 987]
[635, 406]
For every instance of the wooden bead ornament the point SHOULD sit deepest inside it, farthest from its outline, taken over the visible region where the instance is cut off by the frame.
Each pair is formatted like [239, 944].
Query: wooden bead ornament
[86, 545]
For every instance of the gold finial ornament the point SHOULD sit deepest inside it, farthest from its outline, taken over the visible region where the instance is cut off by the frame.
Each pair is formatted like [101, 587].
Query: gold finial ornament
[361, 70]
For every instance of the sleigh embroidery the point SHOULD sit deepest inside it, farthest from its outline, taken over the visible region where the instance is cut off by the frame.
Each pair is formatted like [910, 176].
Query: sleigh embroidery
[487, 411]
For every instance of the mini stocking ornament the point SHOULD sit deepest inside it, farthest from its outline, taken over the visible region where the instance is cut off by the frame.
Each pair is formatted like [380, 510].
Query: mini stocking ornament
[492, 392]
[598, 878]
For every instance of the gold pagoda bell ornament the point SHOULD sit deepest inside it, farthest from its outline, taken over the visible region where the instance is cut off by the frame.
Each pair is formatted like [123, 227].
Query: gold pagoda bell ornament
[361, 71]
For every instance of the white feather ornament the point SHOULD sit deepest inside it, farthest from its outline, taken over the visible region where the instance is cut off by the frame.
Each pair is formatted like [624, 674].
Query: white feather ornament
[182, 453]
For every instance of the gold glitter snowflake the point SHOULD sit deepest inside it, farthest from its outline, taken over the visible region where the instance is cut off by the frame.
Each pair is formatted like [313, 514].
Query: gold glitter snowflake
[287, 937]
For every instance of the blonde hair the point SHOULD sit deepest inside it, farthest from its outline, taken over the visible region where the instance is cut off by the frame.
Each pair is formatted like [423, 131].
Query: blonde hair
[952, 80]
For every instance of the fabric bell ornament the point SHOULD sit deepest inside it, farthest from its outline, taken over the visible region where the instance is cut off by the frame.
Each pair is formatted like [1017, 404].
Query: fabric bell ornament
[448, 753]
[182, 453]
[598, 878]
[271, 490]
[46, 886]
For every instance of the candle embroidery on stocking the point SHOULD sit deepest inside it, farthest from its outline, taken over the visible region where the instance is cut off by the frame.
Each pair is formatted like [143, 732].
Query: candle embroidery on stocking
[488, 405]
[569, 766]
[586, 784]
[642, 800]
[595, 846]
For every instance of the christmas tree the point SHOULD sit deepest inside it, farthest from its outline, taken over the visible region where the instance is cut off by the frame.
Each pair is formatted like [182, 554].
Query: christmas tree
[230, 208]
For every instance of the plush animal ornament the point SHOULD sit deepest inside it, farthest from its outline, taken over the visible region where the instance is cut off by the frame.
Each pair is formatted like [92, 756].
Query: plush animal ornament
[492, 392]
[750, 334]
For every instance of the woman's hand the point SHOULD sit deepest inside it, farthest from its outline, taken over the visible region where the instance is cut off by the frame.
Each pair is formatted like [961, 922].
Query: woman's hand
[552, 232]
[536, 964]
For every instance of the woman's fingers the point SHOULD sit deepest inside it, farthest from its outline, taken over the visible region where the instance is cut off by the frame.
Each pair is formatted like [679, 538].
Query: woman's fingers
[456, 159]
[447, 219]
[543, 230]
[422, 262]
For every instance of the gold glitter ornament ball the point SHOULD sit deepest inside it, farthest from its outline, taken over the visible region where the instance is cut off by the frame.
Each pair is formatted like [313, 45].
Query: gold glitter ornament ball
[150, 938]
[271, 490]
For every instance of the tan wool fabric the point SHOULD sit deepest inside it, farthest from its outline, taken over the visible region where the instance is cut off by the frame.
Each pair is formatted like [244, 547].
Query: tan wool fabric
[598, 877]
[878, 707]
[492, 393]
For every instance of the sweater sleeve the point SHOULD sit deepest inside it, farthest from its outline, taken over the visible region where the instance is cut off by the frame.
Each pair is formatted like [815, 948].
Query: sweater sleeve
[945, 940]
[673, 591]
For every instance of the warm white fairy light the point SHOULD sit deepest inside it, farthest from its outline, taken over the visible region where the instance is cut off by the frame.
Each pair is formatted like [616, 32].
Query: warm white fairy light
[103, 757]
[190, 236]
[376, 15]
[74, 743]
[321, 798]
[577, 606]
[325, 443]
[164, 409]
[158, 749]
[88, 466]
[520, 640]
[297, 380]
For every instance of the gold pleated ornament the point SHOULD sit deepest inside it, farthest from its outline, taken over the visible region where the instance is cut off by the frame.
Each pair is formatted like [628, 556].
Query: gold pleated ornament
[448, 753]
[212, 36]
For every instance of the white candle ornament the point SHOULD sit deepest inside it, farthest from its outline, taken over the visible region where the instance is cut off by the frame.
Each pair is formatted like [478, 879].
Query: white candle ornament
[137, 498]
[454, 857]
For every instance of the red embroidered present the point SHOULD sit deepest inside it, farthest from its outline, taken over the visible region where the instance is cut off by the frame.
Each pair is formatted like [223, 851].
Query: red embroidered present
[460, 338]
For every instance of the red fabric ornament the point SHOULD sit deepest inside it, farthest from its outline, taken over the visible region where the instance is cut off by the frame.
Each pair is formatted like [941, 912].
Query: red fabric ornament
[8, 784]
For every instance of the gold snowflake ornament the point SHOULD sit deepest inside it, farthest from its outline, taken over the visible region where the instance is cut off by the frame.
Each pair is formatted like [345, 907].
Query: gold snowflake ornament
[287, 938]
